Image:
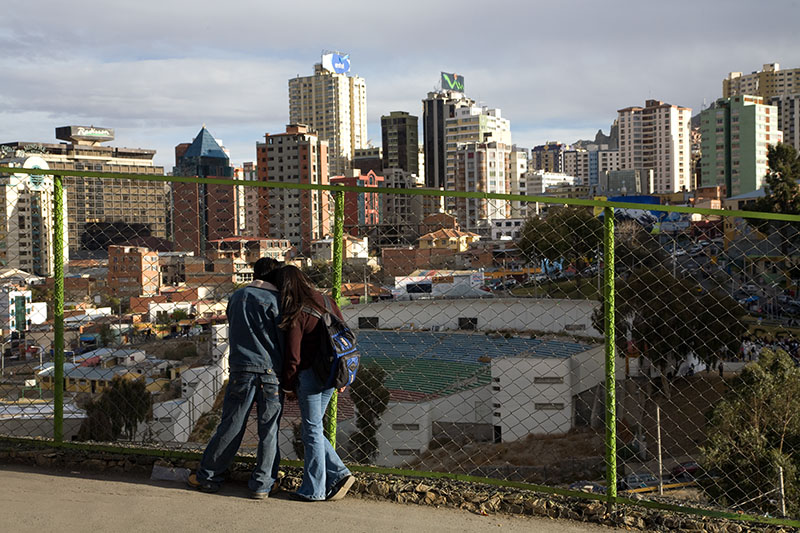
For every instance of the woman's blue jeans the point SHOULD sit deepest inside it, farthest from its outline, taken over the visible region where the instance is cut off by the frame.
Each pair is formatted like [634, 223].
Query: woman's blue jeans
[322, 467]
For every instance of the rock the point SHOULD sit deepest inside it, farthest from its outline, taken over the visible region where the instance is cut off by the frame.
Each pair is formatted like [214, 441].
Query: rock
[633, 521]
[734, 528]
[94, 465]
[536, 506]
[429, 498]
[408, 497]
[378, 488]
[422, 488]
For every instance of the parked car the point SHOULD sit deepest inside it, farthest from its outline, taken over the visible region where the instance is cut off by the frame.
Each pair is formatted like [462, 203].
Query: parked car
[588, 486]
[751, 288]
[638, 481]
[686, 471]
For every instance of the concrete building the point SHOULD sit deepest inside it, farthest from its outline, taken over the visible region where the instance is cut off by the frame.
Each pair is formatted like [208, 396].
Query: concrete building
[400, 210]
[626, 182]
[248, 200]
[507, 228]
[354, 248]
[133, 271]
[735, 135]
[657, 136]
[101, 211]
[200, 211]
[548, 157]
[767, 82]
[369, 158]
[297, 156]
[334, 106]
[400, 138]
[27, 208]
[472, 124]
[438, 107]
[788, 117]
[517, 167]
[360, 209]
[537, 183]
[589, 163]
[481, 167]
[16, 309]
[250, 249]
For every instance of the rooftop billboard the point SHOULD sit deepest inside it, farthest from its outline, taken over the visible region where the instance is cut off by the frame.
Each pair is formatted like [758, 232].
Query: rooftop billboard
[336, 62]
[453, 82]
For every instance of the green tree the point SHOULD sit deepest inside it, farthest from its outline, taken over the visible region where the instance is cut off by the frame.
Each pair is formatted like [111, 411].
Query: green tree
[371, 398]
[754, 430]
[666, 318]
[320, 273]
[566, 233]
[179, 314]
[106, 335]
[117, 411]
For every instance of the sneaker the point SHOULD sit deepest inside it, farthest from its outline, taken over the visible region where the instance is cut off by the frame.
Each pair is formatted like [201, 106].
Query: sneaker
[299, 497]
[203, 486]
[339, 490]
[263, 495]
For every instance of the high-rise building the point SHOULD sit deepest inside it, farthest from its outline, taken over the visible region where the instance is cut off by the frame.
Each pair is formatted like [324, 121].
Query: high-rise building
[590, 163]
[334, 106]
[735, 135]
[438, 107]
[767, 82]
[248, 200]
[517, 167]
[369, 158]
[297, 156]
[203, 211]
[473, 124]
[101, 211]
[481, 167]
[26, 216]
[777, 87]
[788, 116]
[360, 209]
[548, 157]
[657, 136]
[400, 137]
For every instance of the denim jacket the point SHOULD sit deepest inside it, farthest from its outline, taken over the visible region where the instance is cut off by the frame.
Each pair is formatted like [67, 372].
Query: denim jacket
[256, 343]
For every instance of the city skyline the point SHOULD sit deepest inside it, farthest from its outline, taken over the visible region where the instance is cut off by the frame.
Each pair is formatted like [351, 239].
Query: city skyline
[158, 72]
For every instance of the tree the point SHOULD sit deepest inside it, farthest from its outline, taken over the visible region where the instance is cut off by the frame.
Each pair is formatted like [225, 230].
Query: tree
[117, 410]
[569, 233]
[320, 273]
[753, 431]
[106, 335]
[371, 398]
[635, 248]
[665, 318]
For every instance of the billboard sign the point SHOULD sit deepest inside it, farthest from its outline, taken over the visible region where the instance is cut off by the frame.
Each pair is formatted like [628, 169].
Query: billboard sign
[453, 82]
[84, 133]
[336, 62]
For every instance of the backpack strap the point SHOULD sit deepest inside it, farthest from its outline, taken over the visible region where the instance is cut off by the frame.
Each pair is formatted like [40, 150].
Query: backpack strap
[311, 311]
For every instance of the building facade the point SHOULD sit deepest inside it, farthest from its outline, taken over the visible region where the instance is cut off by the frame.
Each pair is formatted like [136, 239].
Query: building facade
[133, 271]
[100, 211]
[767, 82]
[334, 106]
[657, 136]
[360, 209]
[27, 224]
[438, 107]
[301, 217]
[400, 141]
[481, 167]
[735, 135]
[548, 157]
[201, 211]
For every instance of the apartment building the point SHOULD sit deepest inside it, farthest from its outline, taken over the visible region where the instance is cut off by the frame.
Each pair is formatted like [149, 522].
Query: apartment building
[26, 216]
[296, 156]
[334, 106]
[517, 167]
[657, 136]
[472, 124]
[548, 157]
[132, 271]
[767, 82]
[400, 138]
[360, 209]
[735, 135]
[481, 167]
[103, 211]
[438, 107]
[589, 163]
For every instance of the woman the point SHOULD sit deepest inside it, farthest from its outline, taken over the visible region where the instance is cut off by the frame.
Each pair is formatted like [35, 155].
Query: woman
[325, 477]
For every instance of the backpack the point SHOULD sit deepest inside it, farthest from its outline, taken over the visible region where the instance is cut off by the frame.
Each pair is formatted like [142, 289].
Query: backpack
[338, 361]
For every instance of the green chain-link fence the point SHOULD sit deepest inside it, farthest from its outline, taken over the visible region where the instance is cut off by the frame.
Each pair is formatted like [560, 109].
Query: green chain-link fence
[600, 347]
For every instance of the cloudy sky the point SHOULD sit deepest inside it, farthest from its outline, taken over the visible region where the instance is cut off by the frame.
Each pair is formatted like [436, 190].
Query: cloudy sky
[156, 71]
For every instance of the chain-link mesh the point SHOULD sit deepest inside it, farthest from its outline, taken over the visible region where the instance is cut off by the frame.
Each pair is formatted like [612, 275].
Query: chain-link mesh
[482, 336]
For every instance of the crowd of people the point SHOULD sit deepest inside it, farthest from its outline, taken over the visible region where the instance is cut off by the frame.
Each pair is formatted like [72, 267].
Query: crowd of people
[275, 334]
[752, 345]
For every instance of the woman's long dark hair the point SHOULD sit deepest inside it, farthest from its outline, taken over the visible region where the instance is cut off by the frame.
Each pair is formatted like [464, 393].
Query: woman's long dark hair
[296, 291]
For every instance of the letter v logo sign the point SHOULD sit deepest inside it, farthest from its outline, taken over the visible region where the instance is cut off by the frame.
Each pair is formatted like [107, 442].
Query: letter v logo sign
[454, 84]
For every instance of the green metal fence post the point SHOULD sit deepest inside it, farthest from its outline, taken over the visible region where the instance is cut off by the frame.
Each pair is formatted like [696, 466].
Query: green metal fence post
[58, 309]
[336, 293]
[611, 382]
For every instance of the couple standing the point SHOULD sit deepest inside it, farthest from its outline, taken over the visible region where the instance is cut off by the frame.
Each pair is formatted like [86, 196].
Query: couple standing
[273, 344]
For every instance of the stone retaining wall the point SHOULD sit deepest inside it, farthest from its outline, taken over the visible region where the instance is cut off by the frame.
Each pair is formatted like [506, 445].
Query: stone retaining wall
[473, 497]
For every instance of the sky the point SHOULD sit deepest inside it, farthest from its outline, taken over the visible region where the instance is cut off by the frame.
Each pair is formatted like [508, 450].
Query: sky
[157, 71]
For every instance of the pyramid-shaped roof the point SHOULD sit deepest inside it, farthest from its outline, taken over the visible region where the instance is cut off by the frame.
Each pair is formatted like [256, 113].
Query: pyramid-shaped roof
[204, 145]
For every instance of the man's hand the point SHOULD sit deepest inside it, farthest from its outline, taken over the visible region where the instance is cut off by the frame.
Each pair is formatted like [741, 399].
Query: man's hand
[341, 390]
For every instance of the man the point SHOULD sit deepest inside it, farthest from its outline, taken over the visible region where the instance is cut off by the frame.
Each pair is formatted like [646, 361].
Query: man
[255, 362]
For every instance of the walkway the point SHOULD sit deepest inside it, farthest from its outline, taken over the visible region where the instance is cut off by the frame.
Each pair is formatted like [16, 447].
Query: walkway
[35, 500]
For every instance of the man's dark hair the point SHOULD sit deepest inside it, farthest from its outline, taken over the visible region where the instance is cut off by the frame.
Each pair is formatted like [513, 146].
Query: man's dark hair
[263, 267]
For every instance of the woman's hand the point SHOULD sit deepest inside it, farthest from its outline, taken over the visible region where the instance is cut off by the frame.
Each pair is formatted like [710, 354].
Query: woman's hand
[341, 390]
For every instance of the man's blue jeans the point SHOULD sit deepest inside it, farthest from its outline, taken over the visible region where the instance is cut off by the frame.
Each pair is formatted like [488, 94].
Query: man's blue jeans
[322, 467]
[244, 389]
